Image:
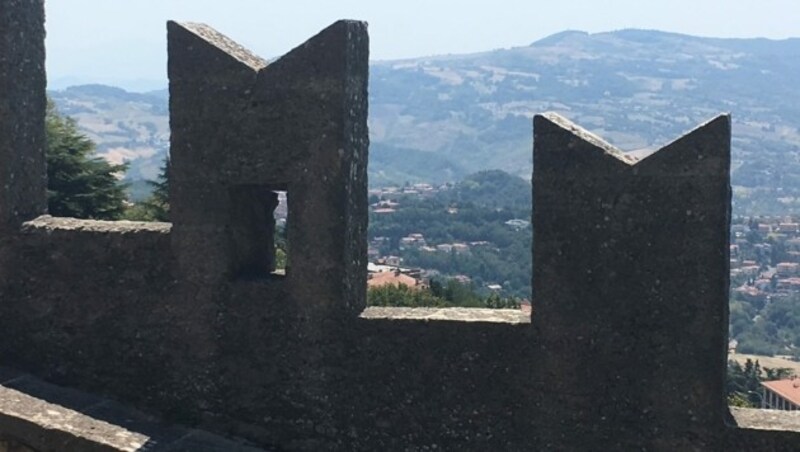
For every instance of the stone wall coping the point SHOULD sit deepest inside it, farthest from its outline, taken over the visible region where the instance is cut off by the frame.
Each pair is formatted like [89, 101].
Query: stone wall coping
[49, 223]
[44, 417]
[509, 316]
[757, 419]
[590, 137]
[225, 44]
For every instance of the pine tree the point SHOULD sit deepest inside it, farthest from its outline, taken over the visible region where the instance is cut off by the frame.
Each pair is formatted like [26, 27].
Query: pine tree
[158, 202]
[79, 184]
[156, 206]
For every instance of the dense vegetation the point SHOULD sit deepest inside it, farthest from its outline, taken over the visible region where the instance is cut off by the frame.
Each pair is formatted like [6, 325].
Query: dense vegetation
[389, 164]
[768, 324]
[474, 210]
[744, 382]
[766, 328]
[79, 184]
[438, 295]
[155, 207]
[82, 185]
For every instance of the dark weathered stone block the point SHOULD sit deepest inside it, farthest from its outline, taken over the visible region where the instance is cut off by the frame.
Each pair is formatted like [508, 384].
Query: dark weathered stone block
[240, 127]
[22, 110]
[630, 285]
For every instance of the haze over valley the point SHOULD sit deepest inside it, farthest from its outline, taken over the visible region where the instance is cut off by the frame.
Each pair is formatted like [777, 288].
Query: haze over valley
[437, 119]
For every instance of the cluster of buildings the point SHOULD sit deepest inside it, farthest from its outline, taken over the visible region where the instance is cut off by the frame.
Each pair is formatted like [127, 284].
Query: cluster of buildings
[384, 207]
[410, 189]
[386, 199]
[382, 273]
[389, 270]
[765, 258]
[518, 223]
[458, 248]
[417, 241]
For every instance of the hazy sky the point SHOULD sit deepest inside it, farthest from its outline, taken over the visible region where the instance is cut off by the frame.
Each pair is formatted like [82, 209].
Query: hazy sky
[123, 42]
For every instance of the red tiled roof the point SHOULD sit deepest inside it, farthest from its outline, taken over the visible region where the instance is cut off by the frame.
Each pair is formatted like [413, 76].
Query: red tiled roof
[386, 278]
[789, 389]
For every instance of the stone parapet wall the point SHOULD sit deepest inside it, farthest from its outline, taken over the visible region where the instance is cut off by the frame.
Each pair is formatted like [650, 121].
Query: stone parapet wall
[625, 350]
[59, 255]
[38, 416]
[85, 294]
[630, 281]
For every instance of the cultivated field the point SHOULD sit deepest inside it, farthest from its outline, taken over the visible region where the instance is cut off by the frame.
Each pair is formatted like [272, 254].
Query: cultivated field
[768, 361]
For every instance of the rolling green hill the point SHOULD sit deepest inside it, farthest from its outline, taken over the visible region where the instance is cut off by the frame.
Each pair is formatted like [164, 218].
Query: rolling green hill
[440, 118]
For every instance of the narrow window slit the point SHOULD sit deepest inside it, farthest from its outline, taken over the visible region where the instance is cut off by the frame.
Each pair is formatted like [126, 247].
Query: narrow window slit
[259, 231]
[281, 240]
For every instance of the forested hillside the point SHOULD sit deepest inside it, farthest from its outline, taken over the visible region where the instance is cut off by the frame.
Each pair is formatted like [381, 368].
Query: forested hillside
[437, 119]
[473, 213]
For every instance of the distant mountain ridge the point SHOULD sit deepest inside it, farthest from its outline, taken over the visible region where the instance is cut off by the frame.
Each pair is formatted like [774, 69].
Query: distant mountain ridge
[125, 126]
[440, 118]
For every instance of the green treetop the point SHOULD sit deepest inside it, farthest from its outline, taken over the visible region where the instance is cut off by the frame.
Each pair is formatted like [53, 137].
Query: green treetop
[79, 184]
[156, 206]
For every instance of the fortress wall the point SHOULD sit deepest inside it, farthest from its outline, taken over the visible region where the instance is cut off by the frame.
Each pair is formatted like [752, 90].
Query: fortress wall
[625, 350]
[22, 108]
[82, 302]
[630, 281]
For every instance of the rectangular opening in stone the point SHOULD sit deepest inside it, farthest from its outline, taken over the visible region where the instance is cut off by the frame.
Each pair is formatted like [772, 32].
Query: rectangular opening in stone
[461, 245]
[259, 215]
[281, 237]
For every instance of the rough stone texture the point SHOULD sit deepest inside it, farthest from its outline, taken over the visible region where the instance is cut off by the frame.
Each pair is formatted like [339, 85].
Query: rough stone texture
[764, 430]
[240, 128]
[631, 287]
[508, 316]
[766, 419]
[12, 445]
[22, 108]
[88, 294]
[625, 350]
[55, 225]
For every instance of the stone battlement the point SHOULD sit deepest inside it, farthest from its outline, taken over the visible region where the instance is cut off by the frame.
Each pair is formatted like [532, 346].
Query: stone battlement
[625, 351]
